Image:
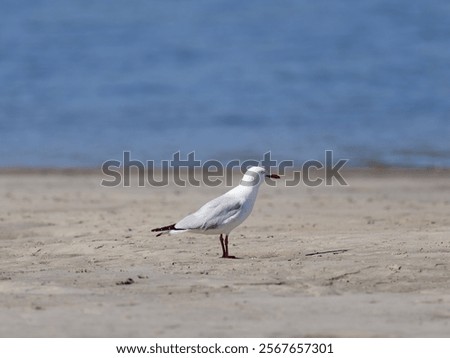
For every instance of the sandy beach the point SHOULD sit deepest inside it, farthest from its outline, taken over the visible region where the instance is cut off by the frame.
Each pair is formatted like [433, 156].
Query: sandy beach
[371, 259]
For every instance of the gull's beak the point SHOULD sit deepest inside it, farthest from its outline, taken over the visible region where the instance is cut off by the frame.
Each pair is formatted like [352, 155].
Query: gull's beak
[273, 176]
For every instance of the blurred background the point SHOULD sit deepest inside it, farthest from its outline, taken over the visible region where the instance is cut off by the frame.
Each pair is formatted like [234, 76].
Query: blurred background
[83, 80]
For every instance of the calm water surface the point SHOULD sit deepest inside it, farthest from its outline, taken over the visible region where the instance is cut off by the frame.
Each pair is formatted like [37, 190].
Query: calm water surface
[82, 81]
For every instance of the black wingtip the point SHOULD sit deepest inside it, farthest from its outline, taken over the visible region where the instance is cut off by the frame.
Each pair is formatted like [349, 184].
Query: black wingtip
[164, 228]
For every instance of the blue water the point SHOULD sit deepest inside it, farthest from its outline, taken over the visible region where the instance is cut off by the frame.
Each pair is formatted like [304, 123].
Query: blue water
[82, 81]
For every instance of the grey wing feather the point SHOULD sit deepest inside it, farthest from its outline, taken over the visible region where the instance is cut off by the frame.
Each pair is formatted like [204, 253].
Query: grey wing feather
[212, 215]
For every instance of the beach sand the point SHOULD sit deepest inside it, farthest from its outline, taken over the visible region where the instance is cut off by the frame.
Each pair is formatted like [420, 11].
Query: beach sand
[371, 259]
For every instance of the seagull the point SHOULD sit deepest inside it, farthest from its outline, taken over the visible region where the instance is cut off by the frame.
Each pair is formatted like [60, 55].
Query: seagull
[224, 213]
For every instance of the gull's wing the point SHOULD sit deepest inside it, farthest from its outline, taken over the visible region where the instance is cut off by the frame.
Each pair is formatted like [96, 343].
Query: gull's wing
[212, 215]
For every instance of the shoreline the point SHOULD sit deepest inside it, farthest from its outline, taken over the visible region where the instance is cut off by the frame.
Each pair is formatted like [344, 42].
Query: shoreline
[97, 170]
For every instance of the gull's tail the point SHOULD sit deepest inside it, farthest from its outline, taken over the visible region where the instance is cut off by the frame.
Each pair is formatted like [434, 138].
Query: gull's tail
[169, 229]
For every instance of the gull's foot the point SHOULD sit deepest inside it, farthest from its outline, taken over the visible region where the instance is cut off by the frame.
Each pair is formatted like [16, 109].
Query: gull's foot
[229, 257]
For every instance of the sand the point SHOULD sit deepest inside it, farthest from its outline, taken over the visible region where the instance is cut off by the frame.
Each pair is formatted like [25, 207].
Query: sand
[370, 259]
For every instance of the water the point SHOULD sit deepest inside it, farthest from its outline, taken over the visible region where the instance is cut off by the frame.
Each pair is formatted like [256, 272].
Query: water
[82, 81]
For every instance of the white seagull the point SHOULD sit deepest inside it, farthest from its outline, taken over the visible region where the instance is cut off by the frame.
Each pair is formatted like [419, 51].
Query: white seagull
[221, 215]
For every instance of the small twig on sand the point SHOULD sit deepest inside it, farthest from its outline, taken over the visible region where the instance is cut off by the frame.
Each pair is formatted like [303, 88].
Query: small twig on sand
[334, 252]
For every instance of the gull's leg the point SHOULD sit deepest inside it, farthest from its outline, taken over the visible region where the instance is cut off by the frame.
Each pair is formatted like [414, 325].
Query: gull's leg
[226, 249]
[224, 252]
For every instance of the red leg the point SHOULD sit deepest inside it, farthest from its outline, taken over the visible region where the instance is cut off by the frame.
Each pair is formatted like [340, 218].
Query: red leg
[224, 252]
[226, 249]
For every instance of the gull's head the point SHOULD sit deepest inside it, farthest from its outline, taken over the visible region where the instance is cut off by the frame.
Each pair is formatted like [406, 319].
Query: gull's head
[254, 176]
